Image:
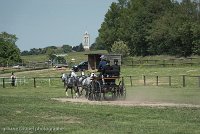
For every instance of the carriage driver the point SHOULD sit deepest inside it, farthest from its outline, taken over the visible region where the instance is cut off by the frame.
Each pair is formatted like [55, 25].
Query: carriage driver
[102, 64]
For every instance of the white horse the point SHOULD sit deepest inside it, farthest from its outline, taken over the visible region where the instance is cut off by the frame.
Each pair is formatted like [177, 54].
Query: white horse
[70, 82]
[85, 82]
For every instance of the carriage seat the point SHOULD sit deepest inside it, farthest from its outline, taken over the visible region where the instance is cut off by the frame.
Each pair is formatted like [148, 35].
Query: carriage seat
[110, 74]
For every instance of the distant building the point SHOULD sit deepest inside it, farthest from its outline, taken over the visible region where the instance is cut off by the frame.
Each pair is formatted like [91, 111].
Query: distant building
[86, 41]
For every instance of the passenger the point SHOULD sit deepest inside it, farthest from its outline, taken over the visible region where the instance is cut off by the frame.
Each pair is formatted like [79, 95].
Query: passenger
[102, 64]
[107, 69]
[107, 72]
[13, 78]
[116, 68]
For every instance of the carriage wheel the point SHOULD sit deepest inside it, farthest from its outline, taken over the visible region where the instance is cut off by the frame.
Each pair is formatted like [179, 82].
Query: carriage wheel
[109, 93]
[122, 89]
[90, 95]
[115, 93]
[86, 92]
[94, 92]
[97, 91]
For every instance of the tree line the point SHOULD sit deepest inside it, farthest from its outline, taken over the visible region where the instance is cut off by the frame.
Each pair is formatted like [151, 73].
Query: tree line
[10, 54]
[155, 27]
[53, 49]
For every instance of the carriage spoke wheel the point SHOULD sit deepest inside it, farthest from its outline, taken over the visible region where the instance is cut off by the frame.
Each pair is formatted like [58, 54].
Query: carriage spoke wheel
[122, 90]
[115, 93]
[90, 94]
[86, 91]
[94, 92]
[97, 91]
[109, 93]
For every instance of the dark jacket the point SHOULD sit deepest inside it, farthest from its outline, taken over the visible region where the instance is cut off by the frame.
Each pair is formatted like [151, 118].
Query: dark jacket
[101, 66]
[116, 70]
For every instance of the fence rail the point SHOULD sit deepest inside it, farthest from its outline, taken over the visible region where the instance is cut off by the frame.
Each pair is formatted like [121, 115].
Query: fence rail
[163, 63]
[147, 80]
[31, 81]
[144, 80]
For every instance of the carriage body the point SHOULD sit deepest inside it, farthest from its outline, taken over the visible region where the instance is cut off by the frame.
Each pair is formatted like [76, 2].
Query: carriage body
[107, 86]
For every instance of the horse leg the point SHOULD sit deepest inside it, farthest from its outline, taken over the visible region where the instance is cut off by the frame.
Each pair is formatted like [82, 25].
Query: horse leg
[81, 92]
[72, 92]
[66, 91]
[77, 91]
[86, 91]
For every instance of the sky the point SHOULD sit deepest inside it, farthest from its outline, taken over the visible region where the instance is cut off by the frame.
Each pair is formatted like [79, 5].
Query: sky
[42, 23]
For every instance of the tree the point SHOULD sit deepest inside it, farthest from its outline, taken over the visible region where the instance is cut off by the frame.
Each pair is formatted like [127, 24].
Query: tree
[173, 33]
[24, 53]
[75, 48]
[108, 31]
[119, 47]
[4, 36]
[196, 38]
[152, 27]
[129, 20]
[9, 52]
[66, 48]
[60, 60]
[94, 46]
[51, 54]
[80, 48]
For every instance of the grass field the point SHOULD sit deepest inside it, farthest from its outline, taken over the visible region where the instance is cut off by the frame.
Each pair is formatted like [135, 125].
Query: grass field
[25, 109]
[78, 56]
[176, 74]
[30, 108]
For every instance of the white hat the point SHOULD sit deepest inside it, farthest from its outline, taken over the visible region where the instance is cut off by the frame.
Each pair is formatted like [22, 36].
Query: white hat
[102, 57]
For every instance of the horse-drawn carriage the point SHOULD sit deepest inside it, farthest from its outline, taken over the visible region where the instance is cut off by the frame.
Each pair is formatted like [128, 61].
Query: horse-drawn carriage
[108, 85]
[106, 89]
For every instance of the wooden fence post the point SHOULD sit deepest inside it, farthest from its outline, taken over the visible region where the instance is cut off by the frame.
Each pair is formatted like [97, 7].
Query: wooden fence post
[131, 81]
[156, 80]
[144, 80]
[170, 81]
[3, 82]
[184, 81]
[34, 82]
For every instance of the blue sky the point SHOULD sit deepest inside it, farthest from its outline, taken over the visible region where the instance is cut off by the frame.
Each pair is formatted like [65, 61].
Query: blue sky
[42, 23]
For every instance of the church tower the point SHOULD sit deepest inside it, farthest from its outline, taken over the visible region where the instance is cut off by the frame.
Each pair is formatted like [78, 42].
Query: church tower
[86, 41]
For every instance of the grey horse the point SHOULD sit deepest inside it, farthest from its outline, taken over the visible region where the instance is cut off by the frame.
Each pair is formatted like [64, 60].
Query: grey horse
[70, 82]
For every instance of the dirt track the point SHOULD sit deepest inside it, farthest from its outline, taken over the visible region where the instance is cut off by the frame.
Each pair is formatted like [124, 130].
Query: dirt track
[125, 103]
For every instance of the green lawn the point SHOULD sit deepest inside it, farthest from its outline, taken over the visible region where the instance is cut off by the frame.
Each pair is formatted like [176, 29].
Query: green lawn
[25, 107]
[33, 108]
[137, 78]
[78, 56]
